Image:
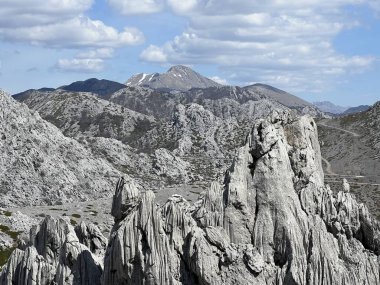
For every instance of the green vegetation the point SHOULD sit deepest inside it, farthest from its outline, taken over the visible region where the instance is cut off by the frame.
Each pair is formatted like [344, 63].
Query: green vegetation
[7, 213]
[5, 229]
[5, 254]
[76, 216]
[73, 222]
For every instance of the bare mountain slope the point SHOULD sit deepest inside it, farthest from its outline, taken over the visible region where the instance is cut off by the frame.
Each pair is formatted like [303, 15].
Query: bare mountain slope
[78, 113]
[39, 165]
[351, 145]
[178, 77]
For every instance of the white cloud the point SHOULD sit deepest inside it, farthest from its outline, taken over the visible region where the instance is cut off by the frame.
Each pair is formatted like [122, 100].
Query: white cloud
[21, 13]
[181, 6]
[219, 80]
[97, 53]
[88, 65]
[289, 43]
[60, 24]
[153, 54]
[129, 7]
[73, 33]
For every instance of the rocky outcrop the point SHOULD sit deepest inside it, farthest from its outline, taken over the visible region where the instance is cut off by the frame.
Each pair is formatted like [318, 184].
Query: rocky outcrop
[40, 166]
[274, 221]
[56, 255]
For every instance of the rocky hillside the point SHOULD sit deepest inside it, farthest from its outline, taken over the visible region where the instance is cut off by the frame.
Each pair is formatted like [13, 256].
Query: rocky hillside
[39, 165]
[272, 221]
[103, 88]
[181, 131]
[79, 113]
[351, 146]
[284, 98]
[178, 77]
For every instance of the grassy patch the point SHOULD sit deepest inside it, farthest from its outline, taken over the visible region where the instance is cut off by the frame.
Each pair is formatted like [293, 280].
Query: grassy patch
[7, 213]
[73, 222]
[76, 216]
[5, 229]
[5, 254]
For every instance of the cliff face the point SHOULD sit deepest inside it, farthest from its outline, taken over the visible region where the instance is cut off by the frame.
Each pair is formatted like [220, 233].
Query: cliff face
[57, 254]
[272, 222]
[40, 166]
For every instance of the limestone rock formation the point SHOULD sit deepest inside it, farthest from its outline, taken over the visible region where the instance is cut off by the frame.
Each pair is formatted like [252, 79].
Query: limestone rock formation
[274, 221]
[55, 255]
[39, 165]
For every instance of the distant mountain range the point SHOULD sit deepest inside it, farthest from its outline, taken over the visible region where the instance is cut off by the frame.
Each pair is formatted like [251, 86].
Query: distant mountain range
[331, 108]
[328, 107]
[358, 109]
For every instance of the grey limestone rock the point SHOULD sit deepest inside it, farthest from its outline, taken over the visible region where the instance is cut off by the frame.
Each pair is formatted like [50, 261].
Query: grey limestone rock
[40, 166]
[274, 221]
[55, 255]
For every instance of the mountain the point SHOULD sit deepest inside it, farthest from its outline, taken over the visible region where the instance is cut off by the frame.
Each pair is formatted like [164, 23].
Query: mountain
[272, 220]
[39, 165]
[278, 95]
[81, 113]
[358, 109]
[161, 103]
[178, 77]
[103, 88]
[329, 107]
[351, 146]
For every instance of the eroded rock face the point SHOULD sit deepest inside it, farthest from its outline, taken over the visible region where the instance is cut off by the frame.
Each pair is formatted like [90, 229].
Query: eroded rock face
[272, 222]
[55, 255]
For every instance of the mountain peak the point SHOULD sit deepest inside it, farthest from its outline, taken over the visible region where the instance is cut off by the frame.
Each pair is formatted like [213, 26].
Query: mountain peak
[180, 68]
[178, 77]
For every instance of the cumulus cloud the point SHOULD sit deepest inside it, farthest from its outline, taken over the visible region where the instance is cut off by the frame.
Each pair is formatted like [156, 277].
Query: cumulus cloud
[73, 33]
[129, 7]
[60, 24]
[21, 13]
[219, 80]
[88, 65]
[182, 7]
[154, 54]
[97, 53]
[288, 43]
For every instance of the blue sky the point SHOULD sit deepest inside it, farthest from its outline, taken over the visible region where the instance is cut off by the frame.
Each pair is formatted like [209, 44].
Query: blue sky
[315, 49]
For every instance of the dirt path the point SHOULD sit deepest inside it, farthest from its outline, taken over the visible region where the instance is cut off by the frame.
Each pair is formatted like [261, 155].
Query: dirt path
[328, 167]
[339, 129]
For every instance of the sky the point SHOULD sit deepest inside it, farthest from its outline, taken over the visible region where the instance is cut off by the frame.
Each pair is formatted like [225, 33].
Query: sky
[315, 49]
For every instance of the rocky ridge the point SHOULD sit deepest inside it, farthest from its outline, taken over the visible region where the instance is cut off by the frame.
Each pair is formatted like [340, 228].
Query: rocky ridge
[351, 145]
[56, 253]
[79, 114]
[272, 221]
[40, 165]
